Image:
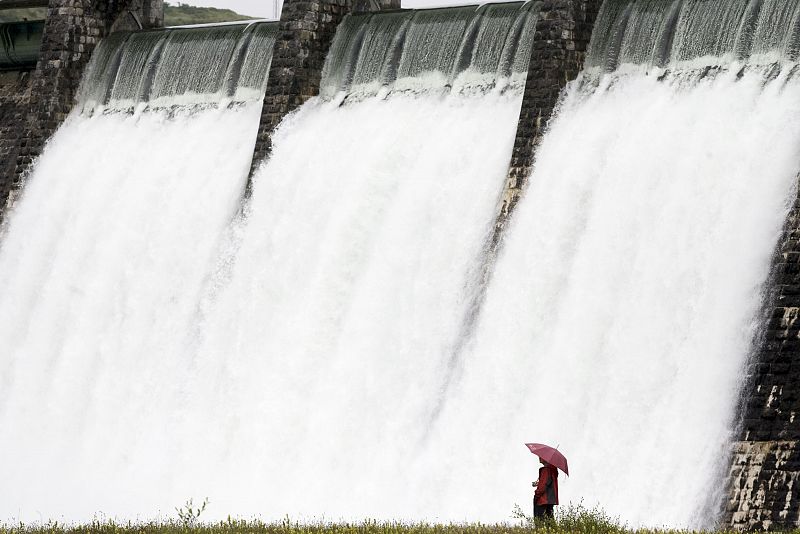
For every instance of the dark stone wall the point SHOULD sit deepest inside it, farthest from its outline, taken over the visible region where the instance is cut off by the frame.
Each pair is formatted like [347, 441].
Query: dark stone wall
[765, 467]
[560, 43]
[763, 492]
[306, 32]
[15, 94]
[562, 37]
[72, 30]
[368, 6]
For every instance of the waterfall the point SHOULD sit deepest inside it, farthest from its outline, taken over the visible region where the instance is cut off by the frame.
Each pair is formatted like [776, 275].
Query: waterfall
[179, 67]
[628, 291]
[102, 262]
[284, 363]
[162, 340]
[431, 51]
[698, 33]
[329, 326]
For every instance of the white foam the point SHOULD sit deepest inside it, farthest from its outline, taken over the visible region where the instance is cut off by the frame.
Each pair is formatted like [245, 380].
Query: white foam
[301, 370]
[329, 339]
[294, 373]
[102, 266]
[623, 305]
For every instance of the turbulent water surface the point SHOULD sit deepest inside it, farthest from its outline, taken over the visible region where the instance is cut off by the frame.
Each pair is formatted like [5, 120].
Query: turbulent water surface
[161, 347]
[312, 351]
[623, 305]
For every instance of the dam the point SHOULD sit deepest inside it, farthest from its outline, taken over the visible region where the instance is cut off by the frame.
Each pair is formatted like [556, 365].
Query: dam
[344, 264]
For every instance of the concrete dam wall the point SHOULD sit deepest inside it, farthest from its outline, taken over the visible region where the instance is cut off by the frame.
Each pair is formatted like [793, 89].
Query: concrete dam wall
[568, 220]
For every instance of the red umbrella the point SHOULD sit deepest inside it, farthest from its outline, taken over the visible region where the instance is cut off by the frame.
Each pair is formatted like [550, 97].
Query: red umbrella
[549, 455]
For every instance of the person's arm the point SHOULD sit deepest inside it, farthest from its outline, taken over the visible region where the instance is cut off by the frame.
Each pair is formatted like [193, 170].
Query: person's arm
[541, 484]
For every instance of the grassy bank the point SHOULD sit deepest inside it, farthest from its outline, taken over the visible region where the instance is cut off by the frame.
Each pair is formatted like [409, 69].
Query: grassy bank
[257, 527]
[180, 14]
[575, 520]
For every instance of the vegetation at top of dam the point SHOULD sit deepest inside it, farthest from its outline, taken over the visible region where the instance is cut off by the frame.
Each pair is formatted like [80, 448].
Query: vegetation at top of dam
[177, 14]
[181, 14]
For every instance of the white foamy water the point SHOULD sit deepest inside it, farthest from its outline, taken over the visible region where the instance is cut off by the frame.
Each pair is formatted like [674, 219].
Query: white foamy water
[308, 358]
[327, 340]
[622, 308]
[102, 267]
[289, 371]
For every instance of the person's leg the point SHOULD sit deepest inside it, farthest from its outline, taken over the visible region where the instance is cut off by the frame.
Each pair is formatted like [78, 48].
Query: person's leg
[548, 510]
[538, 511]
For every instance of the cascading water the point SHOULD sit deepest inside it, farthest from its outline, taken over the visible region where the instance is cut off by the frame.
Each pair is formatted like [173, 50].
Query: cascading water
[329, 327]
[628, 292]
[187, 67]
[290, 363]
[292, 372]
[432, 51]
[103, 261]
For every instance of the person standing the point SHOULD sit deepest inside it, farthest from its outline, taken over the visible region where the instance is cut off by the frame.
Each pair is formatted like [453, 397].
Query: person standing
[545, 498]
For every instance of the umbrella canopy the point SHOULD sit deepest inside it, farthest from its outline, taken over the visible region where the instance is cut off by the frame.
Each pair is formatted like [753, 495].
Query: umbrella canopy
[549, 455]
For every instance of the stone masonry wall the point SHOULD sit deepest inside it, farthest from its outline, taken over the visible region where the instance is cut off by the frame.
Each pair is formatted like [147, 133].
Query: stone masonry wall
[15, 94]
[72, 30]
[765, 468]
[306, 32]
[561, 40]
[562, 37]
[764, 478]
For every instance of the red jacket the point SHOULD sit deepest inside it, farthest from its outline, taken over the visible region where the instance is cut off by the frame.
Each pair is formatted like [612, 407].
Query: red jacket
[547, 489]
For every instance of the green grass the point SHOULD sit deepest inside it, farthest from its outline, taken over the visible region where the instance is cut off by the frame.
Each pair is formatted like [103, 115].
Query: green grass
[569, 520]
[256, 527]
[174, 14]
[181, 14]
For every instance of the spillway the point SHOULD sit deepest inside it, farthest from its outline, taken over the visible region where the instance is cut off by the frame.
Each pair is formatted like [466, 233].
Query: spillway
[179, 67]
[285, 362]
[330, 323]
[102, 262]
[305, 351]
[629, 289]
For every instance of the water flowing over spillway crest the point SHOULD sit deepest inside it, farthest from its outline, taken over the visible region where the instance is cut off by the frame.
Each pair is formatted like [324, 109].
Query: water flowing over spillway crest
[102, 262]
[288, 363]
[623, 305]
[331, 325]
[330, 348]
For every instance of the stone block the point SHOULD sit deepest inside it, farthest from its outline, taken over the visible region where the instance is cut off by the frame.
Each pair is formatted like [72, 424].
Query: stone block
[305, 35]
[72, 30]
